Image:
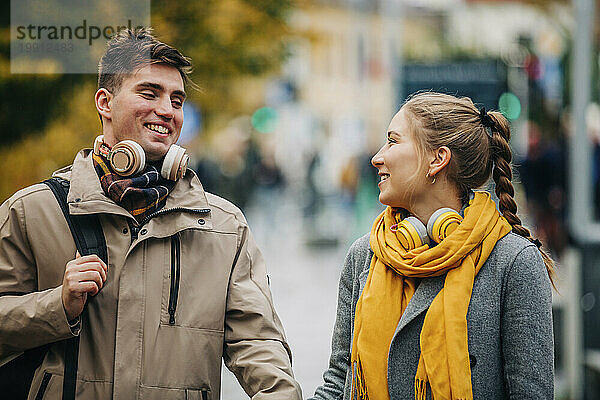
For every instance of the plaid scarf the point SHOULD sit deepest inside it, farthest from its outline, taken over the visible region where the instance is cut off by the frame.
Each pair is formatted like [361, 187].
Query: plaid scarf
[141, 195]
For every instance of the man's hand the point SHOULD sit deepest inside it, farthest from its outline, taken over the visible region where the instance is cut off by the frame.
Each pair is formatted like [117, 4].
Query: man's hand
[83, 275]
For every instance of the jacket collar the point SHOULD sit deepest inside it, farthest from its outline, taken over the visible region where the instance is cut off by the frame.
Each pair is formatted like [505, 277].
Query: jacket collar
[87, 197]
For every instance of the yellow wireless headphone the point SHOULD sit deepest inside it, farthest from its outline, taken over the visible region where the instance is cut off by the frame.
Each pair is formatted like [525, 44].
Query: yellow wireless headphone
[412, 233]
[128, 158]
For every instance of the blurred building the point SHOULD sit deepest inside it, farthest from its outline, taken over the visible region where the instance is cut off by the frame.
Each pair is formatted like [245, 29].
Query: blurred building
[346, 68]
[346, 55]
[343, 64]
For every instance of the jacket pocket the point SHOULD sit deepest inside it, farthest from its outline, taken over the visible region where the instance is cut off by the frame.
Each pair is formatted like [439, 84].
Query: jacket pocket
[175, 274]
[43, 386]
[192, 361]
[194, 276]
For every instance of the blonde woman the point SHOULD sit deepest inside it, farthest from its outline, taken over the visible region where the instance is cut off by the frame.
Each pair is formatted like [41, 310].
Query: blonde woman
[447, 297]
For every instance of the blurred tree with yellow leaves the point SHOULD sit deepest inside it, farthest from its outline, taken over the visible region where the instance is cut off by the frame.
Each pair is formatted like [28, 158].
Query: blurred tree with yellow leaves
[45, 119]
[35, 156]
[227, 40]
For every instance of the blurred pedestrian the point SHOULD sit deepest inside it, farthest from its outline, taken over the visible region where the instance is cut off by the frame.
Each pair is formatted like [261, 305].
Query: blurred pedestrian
[447, 298]
[542, 173]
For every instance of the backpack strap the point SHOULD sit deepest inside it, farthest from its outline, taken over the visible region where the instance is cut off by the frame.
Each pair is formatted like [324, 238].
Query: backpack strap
[86, 229]
[89, 239]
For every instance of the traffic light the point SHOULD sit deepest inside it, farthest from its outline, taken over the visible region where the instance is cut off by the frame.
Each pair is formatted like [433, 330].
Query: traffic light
[509, 105]
[265, 119]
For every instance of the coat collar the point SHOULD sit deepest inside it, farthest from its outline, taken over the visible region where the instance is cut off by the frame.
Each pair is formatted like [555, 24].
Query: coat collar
[87, 197]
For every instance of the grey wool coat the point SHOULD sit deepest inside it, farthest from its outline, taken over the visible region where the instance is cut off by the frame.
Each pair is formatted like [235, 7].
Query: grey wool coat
[509, 323]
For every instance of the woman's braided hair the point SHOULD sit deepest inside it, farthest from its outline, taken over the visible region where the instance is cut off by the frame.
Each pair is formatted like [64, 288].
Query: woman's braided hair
[479, 142]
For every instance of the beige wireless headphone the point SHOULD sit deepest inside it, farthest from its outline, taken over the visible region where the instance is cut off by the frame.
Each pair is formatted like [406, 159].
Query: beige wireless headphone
[128, 158]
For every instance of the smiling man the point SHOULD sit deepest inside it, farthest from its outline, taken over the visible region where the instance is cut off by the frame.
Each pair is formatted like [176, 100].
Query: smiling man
[184, 286]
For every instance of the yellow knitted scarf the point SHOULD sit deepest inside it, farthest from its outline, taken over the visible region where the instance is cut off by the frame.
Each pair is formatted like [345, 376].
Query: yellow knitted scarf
[444, 360]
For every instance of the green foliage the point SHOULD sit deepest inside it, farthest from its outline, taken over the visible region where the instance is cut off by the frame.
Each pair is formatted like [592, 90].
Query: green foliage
[45, 119]
[226, 39]
[36, 156]
[29, 102]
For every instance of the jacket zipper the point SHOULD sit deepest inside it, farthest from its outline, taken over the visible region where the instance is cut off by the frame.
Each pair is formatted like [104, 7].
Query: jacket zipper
[43, 386]
[203, 393]
[175, 273]
[167, 210]
[135, 227]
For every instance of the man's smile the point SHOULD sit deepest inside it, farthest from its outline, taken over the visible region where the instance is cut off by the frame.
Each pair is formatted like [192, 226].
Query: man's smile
[156, 128]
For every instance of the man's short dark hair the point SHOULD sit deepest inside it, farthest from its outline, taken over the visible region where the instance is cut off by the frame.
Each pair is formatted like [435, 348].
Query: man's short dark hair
[130, 49]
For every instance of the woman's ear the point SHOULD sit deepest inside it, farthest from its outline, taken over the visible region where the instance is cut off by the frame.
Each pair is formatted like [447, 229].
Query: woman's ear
[103, 103]
[441, 158]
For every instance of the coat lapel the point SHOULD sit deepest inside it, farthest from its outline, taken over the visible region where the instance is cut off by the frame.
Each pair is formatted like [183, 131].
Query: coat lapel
[421, 300]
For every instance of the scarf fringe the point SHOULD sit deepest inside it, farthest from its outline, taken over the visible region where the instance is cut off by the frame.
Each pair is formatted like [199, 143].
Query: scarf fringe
[420, 389]
[359, 387]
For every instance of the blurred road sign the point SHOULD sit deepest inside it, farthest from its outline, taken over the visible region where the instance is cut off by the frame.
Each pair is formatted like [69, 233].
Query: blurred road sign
[483, 81]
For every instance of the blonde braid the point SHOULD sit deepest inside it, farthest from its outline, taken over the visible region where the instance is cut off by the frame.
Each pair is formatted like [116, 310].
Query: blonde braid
[502, 175]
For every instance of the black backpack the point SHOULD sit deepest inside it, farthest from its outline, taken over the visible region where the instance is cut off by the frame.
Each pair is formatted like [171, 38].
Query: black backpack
[17, 374]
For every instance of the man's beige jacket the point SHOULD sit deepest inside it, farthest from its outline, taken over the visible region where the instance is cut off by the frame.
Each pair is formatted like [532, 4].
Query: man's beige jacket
[134, 342]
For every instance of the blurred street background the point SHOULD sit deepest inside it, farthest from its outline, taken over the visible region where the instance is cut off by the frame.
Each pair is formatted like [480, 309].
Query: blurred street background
[295, 97]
